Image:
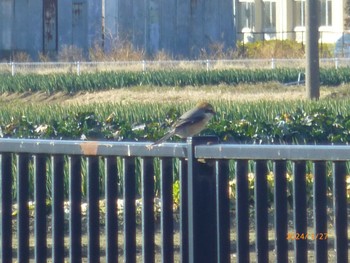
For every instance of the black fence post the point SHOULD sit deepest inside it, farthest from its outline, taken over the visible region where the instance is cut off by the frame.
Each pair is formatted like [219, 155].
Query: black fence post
[242, 211]
[75, 193]
[23, 209]
[129, 195]
[57, 162]
[6, 207]
[202, 223]
[111, 195]
[93, 209]
[320, 211]
[223, 210]
[261, 212]
[167, 225]
[340, 211]
[300, 210]
[183, 210]
[40, 248]
[281, 210]
[147, 178]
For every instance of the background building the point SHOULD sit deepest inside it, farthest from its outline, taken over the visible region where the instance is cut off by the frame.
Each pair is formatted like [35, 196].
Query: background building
[179, 27]
[47, 25]
[182, 28]
[285, 19]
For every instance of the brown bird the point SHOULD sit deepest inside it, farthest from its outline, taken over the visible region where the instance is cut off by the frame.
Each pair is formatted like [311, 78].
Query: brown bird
[190, 123]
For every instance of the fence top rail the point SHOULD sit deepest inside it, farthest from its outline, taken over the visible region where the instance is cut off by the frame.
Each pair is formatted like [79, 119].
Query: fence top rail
[177, 150]
[92, 148]
[274, 152]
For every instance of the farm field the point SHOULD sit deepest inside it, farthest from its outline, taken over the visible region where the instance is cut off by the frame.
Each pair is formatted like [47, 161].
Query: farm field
[148, 94]
[154, 106]
[265, 113]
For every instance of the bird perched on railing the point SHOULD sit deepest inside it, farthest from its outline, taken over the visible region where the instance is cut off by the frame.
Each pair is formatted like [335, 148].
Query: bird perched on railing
[190, 123]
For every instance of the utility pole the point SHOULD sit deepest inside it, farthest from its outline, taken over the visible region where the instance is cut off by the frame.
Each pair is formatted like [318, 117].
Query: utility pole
[312, 73]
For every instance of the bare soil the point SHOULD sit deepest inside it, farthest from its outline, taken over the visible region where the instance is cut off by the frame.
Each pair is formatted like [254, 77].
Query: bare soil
[266, 91]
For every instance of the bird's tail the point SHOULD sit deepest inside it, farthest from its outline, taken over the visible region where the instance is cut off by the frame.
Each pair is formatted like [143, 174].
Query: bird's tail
[164, 138]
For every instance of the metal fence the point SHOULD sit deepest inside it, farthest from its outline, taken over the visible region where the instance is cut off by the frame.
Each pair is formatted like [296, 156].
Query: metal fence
[213, 226]
[14, 68]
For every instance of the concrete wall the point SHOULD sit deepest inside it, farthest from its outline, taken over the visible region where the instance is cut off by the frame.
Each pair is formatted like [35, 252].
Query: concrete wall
[179, 27]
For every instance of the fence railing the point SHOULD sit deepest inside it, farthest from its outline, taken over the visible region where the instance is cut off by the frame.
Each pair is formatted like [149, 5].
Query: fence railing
[44, 185]
[77, 67]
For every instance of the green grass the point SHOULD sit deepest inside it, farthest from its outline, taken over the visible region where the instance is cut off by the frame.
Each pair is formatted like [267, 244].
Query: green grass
[325, 121]
[105, 80]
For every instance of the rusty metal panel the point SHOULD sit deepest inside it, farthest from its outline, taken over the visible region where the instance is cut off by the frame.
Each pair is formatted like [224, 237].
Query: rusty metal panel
[182, 28]
[168, 26]
[139, 16]
[126, 20]
[154, 26]
[79, 24]
[50, 25]
[6, 18]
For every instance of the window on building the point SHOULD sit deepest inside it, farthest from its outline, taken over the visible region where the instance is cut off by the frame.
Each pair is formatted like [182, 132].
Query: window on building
[326, 13]
[299, 12]
[246, 14]
[269, 15]
[325, 17]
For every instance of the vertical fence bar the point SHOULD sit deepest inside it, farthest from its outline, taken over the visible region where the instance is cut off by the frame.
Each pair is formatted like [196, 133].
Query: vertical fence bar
[320, 211]
[242, 211]
[75, 208]
[129, 193]
[6, 207]
[93, 217]
[111, 192]
[57, 209]
[340, 211]
[336, 63]
[281, 212]
[273, 63]
[78, 68]
[13, 69]
[147, 210]
[201, 204]
[167, 224]
[183, 211]
[223, 210]
[261, 212]
[23, 210]
[40, 208]
[300, 216]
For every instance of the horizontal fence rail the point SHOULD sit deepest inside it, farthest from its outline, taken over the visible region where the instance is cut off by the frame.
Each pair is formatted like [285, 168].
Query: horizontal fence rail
[78, 68]
[197, 201]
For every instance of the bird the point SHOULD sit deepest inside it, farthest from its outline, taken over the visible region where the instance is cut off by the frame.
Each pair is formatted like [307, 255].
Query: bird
[190, 123]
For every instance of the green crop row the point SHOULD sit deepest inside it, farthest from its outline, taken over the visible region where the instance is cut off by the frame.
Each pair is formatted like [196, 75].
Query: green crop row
[105, 80]
[326, 121]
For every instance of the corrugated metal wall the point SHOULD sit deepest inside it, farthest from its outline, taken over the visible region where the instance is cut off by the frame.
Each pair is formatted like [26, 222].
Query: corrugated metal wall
[50, 26]
[179, 27]
[6, 14]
